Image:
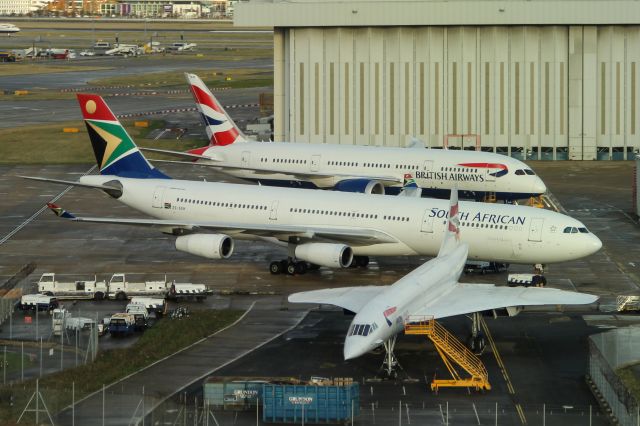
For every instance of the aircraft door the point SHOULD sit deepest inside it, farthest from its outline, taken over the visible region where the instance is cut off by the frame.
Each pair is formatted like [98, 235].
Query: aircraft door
[315, 163]
[489, 177]
[158, 196]
[246, 158]
[273, 214]
[535, 229]
[427, 222]
[428, 165]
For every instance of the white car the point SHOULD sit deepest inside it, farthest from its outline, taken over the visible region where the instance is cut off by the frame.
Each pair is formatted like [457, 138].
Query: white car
[87, 53]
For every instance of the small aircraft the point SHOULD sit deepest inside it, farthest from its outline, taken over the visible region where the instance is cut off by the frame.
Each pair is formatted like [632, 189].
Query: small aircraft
[8, 28]
[432, 290]
[353, 168]
[326, 228]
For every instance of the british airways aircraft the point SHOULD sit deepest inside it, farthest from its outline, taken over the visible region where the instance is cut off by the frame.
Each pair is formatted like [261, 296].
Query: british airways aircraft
[353, 168]
[325, 228]
[430, 291]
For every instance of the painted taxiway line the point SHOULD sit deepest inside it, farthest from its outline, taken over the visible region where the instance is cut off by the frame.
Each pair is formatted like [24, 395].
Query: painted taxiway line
[43, 208]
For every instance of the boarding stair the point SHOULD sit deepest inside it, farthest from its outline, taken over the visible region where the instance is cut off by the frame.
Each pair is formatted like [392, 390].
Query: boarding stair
[452, 352]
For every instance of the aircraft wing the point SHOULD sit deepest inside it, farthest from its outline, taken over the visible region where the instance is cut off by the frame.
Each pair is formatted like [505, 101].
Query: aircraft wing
[467, 298]
[348, 235]
[350, 298]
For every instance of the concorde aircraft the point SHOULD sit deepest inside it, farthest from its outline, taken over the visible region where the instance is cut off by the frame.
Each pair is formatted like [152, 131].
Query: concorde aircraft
[325, 228]
[432, 290]
[353, 168]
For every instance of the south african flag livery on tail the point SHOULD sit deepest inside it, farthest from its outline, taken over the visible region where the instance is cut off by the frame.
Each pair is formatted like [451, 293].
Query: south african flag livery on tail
[115, 151]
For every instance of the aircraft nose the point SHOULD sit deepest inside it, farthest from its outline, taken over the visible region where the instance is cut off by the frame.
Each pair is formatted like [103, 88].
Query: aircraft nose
[352, 349]
[538, 186]
[593, 245]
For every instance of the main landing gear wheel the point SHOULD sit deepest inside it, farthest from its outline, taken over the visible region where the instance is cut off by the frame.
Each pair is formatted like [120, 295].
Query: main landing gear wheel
[288, 267]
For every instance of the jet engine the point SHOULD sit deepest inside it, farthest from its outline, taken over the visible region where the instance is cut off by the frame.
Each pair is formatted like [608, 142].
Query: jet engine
[211, 246]
[325, 254]
[364, 186]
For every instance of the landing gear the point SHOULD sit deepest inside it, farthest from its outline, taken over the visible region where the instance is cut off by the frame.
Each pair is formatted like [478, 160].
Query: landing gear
[390, 361]
[476, 341]
[360, 261]
[288, 266]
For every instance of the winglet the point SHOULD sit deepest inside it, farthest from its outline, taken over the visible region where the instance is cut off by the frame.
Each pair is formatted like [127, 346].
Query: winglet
[59, 211]
[451, 238]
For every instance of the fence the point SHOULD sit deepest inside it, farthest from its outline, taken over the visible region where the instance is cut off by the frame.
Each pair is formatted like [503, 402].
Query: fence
[608, 352]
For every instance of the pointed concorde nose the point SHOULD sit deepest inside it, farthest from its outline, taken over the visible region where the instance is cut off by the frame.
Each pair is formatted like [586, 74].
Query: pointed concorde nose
[351, 349]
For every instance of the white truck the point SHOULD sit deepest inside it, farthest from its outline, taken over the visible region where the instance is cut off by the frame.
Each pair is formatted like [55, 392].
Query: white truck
[140, 314]
[62, 319]
[526, 280]
[122, 289]
[182, 46]
[85, 289]
[40, 302]
[153, 304]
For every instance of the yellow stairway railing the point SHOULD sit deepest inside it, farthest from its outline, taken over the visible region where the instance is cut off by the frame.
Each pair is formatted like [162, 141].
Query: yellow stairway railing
[452, 351]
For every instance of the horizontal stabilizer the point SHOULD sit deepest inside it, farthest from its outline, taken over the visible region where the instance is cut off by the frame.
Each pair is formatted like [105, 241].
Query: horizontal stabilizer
[185, 155]
[59, 211]
[114, 191]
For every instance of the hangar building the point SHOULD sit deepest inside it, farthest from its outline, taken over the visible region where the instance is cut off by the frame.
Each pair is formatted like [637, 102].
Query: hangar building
[538, 79]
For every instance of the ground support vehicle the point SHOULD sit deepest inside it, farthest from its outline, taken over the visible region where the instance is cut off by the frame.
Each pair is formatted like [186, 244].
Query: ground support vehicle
[85, 289]
[122, 324]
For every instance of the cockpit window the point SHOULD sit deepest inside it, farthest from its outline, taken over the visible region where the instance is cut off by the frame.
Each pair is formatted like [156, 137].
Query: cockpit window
[520, 172]
[571, 230]
[583, 230]
[529, 172]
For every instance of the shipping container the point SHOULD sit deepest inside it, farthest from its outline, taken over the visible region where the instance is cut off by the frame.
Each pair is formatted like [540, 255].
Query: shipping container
[318, 404]
[233, 393]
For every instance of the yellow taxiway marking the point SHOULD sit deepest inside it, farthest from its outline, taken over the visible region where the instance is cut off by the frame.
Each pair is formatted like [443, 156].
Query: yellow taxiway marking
[503, 369]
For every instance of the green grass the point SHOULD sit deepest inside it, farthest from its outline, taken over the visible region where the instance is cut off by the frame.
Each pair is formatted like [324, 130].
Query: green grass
[28, 67]
[164, 338]
[631, 380]
[239, 78]
[47, 144]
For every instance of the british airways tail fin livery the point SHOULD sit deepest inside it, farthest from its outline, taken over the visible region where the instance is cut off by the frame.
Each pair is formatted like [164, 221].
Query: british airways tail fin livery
[326, 228]
[430, 291]
[353, 168]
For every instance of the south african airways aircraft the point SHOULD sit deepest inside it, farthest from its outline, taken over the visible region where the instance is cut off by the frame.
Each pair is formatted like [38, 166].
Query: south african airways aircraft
[431, 291]
[327, 228]
[353, 168]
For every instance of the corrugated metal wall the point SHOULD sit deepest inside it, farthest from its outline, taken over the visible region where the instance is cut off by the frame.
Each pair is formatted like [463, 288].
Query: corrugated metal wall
[549, 92]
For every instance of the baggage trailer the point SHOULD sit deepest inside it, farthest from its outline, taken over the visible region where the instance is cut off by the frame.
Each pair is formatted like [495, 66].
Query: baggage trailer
[185, 291]
[85, 289]
[40, 302]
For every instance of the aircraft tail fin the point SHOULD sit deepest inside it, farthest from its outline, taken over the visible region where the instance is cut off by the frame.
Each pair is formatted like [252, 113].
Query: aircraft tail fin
[409, 187]
[115, 151]
[451, 239]
[221, 129]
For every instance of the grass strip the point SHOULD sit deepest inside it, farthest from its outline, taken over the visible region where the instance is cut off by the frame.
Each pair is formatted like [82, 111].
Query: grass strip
[164, 338]
[28, 67]
[630, 379]
[47, 144]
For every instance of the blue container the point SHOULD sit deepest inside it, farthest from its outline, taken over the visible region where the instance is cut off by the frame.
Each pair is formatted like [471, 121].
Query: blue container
[320, 404]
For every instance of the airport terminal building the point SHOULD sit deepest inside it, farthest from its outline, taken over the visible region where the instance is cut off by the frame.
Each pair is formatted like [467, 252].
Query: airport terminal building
[533, 79]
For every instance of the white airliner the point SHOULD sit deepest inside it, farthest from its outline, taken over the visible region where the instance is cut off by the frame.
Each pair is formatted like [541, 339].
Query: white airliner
[8, 28]
[321, 227]
[353, 168]
[430, 291]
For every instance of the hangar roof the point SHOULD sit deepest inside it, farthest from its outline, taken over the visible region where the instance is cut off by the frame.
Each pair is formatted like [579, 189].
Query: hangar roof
[319, 13]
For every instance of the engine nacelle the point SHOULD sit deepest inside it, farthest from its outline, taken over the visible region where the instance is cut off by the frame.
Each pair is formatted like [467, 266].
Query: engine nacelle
[325, 254]
[211, 246]
[365, 186]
